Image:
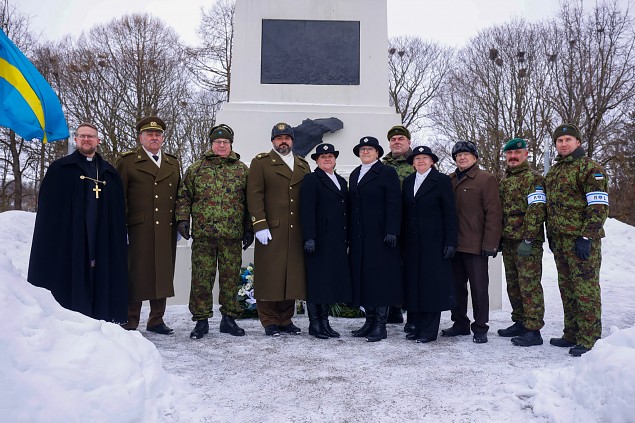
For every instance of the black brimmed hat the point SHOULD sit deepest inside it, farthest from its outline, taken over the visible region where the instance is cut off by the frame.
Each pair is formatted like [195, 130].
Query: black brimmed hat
[324, 149]
[368, 142]
[423, 149]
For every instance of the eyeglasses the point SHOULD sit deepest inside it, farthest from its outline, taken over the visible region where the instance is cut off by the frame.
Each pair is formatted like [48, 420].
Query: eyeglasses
[86, 136]
[221, 142]
[366, 149]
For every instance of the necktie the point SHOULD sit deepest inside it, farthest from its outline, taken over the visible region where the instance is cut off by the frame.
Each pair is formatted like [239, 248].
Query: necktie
[156, 158]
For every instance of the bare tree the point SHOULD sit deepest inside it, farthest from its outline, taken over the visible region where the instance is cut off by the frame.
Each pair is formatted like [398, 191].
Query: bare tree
[212, 60]
[417, 69]
[592, 70]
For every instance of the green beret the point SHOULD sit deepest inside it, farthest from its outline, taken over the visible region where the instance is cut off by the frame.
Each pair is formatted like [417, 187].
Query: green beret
[150, 123]
[515, 144]
[398, 130]
[566, 129]
[221, 131]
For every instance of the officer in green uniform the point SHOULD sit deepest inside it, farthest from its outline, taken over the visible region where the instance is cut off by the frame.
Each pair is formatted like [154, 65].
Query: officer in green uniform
[213, 193]
[523, 200]
[399, 144]
[577, 207]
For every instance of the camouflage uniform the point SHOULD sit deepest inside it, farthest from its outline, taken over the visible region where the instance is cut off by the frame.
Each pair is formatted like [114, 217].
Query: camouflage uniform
[213, 193]
[577, 205]
[399, 164]
[523, 201]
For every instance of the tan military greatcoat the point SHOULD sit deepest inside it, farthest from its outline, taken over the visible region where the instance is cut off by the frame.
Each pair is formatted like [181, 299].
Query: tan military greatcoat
[150, 204]
[273, 196]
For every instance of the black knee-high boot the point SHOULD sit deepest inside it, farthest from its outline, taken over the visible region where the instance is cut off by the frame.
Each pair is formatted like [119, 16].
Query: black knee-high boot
[315, 323]
[368, 324]
[379, 330]
[324, 317]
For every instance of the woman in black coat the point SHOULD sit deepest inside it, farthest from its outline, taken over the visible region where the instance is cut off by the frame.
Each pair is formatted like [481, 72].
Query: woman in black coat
[429, 241]
[323, 217]
[375, 222]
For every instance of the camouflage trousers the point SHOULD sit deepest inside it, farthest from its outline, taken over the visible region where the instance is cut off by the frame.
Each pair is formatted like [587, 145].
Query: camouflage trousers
[524, 289]
[206, 252]
[579, 283]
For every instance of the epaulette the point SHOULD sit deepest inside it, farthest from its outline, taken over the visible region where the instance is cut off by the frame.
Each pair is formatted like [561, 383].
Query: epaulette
[262, 155]
[303, 159]
[126, 153]
[172, 155]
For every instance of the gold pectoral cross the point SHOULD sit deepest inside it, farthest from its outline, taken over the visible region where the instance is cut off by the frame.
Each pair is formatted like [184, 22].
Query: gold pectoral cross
[96, 190]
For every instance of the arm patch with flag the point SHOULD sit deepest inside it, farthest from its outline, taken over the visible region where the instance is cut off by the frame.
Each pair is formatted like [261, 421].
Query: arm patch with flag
[28, 104]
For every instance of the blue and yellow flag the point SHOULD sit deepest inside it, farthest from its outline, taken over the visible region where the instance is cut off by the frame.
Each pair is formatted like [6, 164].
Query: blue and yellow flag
[28, 104]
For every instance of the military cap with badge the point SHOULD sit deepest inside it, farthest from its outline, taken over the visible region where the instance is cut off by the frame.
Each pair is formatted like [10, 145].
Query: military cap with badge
[151, 123]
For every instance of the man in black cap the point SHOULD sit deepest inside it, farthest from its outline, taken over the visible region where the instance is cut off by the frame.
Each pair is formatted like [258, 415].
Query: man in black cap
[79, 241]
[399, 143]
[577, 207]
[480, 216]
[273, 199]
[151, 180]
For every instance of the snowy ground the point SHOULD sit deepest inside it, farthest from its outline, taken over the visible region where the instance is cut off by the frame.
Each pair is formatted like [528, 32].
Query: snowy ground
[59, 366]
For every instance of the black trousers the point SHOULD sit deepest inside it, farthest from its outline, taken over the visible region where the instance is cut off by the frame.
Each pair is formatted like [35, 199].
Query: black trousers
[473, 268]
[426, 323]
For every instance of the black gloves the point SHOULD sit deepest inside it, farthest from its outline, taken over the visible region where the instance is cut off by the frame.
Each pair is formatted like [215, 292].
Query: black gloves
[524, 248]
[183, 227]
[448, 252]
[248, 239]
[486, 253]
[583, 247]
[390, 240]
[309, 246]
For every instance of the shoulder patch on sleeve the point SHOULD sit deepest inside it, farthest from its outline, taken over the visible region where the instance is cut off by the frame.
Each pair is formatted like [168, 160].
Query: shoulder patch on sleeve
[598, 176]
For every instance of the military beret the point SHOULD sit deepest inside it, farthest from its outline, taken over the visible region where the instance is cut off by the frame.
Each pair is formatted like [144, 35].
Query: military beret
[398, 130]
[566, 129]
[150, 123]
[281, 129]
[221, 131]
[515, 144]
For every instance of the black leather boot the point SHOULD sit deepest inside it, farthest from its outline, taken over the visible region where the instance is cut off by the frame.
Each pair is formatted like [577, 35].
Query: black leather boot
[517, 329]
[527, 339]
[395, 315]
[201, 328]
[379, 330]
[324, 317]
[228, 325]
[409, 327]
[316, 328]
[368, 324]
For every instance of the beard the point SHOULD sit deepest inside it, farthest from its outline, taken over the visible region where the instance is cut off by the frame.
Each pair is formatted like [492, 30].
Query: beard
[283, 149]
[87, 149]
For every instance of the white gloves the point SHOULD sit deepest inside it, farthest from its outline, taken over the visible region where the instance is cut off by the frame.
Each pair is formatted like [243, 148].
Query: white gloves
[263, 236]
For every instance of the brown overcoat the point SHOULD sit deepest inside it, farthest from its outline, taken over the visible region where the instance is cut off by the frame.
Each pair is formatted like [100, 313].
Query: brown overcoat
[479, 210]
[150, 203]
[273, 200]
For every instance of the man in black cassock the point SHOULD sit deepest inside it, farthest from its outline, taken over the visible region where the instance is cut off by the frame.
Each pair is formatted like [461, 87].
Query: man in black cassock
[79, 249]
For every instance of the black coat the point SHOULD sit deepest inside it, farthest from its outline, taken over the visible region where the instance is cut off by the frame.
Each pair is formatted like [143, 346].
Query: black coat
[429, 225]
[59, 253]
[323, 217]
[375, 212]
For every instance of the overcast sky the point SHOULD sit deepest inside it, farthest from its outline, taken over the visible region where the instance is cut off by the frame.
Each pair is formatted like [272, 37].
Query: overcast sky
[451, 22]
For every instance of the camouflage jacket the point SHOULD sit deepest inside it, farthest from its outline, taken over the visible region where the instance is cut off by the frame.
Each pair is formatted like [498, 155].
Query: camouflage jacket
[213, 192]
[577, 199]
[399, 164]
[522, 193]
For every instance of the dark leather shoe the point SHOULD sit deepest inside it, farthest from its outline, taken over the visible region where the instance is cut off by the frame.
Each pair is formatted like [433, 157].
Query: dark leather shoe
[161, 329]
[411, 336]
[290, 329]
[517, 329]
[228, 325]
[454, 331]
[578, 350]
[272, 330]
[561, 342]
[425, 340]
[201, 328]
[126, 327]
[529, 338]
[409, 327]
[480, 338]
